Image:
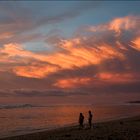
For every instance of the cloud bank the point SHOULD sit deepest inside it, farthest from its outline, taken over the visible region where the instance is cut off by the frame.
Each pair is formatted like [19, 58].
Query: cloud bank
[96, 58]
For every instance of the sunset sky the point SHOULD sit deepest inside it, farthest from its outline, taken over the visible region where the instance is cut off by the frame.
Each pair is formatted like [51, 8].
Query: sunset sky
[69, 52]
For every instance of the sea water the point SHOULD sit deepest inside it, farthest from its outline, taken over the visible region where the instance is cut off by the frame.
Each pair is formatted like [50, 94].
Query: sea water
[22, 119]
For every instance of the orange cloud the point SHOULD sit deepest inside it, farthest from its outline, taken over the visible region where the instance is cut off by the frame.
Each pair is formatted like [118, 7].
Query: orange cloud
[74, 53]
[34, 71]
[136, 44]
[117, 25]
[13, 49]
[72, 82]
[71, 57]
[116, 77]
[99, 80]
[124, 23]
[79, 57]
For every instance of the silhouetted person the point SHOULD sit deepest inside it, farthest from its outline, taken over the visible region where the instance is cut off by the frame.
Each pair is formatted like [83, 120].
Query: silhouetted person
[90, 119]
[81, 120]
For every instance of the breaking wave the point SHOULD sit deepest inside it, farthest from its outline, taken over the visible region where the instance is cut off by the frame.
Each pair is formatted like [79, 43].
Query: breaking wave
[16, 106]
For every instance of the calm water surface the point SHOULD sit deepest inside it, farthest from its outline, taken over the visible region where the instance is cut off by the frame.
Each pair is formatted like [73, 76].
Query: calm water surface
[14, 121]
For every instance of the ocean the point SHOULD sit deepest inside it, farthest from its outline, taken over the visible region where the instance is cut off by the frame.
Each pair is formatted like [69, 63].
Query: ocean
[26, 118]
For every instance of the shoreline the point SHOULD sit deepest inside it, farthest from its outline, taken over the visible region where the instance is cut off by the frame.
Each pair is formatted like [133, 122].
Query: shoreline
[64, 126]
[72, 132]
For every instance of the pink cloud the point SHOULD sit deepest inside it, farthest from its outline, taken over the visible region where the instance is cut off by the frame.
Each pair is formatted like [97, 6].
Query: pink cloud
[118, 25]
[79, 52]
[136, 43]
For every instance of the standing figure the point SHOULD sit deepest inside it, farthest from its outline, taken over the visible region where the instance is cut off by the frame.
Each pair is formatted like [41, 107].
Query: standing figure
[81, 120]
[90, 119]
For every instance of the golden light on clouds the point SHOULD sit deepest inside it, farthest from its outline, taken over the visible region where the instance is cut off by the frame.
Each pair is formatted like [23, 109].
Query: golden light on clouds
[75, 57]
[116, 77]
[73, 54]
[117, 25]
[34, 71]
[94, 80]
[72, 82]
[125, 23]
[136, 44]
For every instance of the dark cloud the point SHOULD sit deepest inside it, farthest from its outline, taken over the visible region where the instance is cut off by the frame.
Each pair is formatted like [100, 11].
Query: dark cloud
[40, 93]
[18, 18]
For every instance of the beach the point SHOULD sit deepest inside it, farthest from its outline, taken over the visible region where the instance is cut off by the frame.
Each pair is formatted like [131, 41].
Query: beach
[122, 129]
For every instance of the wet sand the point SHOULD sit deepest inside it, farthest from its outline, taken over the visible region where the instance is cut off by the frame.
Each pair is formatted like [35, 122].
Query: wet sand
[123, 129]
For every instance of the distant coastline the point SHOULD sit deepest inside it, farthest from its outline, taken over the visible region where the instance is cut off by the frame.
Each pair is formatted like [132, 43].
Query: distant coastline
[134, 102]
